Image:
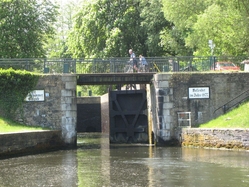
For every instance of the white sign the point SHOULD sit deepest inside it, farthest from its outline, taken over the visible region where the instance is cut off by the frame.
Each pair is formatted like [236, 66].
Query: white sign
[36, 95]
[198, 92]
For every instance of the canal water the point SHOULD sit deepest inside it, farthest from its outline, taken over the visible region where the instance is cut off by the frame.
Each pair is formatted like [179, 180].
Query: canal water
[97, 164]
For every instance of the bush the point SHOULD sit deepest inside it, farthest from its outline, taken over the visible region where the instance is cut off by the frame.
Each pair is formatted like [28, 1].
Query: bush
[15, 85]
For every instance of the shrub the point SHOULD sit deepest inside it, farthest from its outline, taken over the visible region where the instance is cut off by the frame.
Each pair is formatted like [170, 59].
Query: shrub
[14, 87]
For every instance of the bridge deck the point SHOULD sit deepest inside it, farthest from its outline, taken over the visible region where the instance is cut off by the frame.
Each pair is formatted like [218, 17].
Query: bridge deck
[114, 78]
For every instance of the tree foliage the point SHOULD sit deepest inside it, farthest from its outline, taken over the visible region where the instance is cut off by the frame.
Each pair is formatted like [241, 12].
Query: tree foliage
[153, 23]
[225, 22]
[106, 28]
[25, 25]
[15, 85]
[57, 46]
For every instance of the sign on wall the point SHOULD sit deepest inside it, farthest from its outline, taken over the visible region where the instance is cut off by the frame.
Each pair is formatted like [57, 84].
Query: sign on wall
[198, 93]
[36, 95]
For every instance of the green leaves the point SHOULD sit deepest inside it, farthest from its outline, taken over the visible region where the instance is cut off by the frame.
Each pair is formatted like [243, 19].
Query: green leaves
[225, 22]
[110, 28]
[24, 27]
[15, 85]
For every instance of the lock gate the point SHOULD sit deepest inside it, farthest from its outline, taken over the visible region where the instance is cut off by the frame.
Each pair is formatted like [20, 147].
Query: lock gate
[128, 116]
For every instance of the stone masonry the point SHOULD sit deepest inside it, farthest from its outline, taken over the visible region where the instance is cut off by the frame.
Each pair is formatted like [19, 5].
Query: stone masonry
[171, 97]
[19, 143]
[58, 111]
[216, 138]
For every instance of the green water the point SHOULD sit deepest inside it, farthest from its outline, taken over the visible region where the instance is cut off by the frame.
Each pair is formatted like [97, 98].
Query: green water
[97, 164]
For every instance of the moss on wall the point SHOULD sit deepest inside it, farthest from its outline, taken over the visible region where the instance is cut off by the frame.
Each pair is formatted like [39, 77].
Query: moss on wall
[214, 138]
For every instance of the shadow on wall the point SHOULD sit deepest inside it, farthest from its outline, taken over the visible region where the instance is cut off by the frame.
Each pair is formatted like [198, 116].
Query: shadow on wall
[91, 129]
[88, 117]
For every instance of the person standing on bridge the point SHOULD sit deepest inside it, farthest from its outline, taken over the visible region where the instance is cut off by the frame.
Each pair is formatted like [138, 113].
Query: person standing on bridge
[133, 60]
[143, 63]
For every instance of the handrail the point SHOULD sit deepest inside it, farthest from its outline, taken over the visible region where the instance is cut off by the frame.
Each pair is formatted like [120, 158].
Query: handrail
[112, 64]
[224, 105]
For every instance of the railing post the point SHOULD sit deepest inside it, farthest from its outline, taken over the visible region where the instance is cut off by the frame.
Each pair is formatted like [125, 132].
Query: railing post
[45, 69]
[27, 66]
[212, 61]
[74, 65]
[114, 67]
[175, 66]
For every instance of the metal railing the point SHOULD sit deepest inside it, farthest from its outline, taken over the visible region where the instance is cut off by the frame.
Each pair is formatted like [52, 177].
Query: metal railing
[234, 102]
[114, 65]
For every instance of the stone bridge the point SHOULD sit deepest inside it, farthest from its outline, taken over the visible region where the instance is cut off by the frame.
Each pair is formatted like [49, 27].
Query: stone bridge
[174, 100]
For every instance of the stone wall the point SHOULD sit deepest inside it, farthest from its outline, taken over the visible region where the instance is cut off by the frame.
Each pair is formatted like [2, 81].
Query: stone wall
[162, 105]
[171, 97]
[58, 111]
[216, 138]
[105, 110]
[12, 144]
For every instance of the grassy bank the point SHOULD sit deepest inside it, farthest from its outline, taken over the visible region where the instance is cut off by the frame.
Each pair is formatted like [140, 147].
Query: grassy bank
[7, 125]
[237, 118]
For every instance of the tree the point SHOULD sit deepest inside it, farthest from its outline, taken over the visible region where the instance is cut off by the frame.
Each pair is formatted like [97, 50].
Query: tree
[225, 22]
[153, 23]
[25, 27]
[56, 47]
[99, 29]
[107, 28]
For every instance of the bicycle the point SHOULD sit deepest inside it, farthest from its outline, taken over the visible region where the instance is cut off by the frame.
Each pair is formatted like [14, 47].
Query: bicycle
[129, 67]
[142, 68]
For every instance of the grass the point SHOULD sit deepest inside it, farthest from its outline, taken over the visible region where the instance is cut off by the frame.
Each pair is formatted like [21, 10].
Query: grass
[7, 126]
[237, 118]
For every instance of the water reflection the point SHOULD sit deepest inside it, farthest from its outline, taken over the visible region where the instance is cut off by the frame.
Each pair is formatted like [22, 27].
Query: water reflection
[97, 164]
[52, 169]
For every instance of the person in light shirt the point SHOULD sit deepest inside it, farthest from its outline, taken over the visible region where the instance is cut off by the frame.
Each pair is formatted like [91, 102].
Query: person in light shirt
[144, 64]
[133, 60]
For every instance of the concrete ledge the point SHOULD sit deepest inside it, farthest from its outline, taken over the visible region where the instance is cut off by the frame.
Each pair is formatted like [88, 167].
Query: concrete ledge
[216, 138]
[23, 143]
